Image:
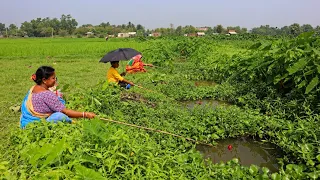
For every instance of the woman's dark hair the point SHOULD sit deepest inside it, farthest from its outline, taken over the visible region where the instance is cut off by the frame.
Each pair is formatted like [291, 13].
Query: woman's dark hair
[43, 72]
[114, 62]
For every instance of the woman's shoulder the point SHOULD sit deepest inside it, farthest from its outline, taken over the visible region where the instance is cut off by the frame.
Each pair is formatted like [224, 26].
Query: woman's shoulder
[43, 93]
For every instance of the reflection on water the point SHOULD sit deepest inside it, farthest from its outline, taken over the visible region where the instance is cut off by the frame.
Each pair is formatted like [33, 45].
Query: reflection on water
[246, 150]
[205, 102]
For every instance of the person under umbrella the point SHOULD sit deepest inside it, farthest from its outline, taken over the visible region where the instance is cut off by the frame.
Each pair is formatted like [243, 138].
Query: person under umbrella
[114, 57]
[113, 76]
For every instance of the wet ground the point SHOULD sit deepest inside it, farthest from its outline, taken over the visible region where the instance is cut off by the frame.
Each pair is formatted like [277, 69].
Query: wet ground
[247, 150]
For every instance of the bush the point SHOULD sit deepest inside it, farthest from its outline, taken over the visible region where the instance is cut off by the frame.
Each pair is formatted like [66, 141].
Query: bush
[63, 33]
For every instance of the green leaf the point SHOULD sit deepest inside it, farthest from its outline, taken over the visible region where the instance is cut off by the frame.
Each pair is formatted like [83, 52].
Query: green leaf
[316, 51]
[318, 157]
[298, 66]
[65, 87]
[86, 173]
[253, 169]
[265, 170]
[275, 176]
[313, 175]
[99, 155]
[43, 151]
[302, 84]
[256, 45]
[55, 152]
[215, 136]
[309, 72]
[279, 78]
[314, 82]
[105, 85]
[97, 101]
[306, 34]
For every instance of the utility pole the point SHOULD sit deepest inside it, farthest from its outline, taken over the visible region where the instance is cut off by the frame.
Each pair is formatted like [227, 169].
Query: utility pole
[7, 32]
[52, 32]
[16, 30]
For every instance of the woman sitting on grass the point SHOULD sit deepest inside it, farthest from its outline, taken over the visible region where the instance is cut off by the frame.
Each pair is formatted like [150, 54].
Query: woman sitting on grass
[113, 76]
[40, 102]
[136, 65]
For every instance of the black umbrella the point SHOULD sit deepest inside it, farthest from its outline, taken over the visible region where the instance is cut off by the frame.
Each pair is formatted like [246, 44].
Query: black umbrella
[119, 54]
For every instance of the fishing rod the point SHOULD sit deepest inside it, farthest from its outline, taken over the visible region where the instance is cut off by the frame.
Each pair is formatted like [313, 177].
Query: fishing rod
[151, 129]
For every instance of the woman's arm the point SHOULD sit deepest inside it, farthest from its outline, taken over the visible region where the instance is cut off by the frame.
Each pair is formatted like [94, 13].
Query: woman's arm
[150, 65]
[129, 82]
[77, 114]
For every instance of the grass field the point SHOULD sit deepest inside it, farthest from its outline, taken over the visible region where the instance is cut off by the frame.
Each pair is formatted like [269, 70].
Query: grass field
[104, 150]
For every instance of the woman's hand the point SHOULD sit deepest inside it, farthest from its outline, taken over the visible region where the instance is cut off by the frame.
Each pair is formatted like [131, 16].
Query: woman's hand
[89, 115]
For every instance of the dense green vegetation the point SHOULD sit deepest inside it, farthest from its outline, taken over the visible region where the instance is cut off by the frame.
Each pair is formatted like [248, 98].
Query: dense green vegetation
[272, 84]
[67, 26]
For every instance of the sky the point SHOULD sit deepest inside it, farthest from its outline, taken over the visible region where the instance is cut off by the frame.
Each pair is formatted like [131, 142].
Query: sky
[152, 14]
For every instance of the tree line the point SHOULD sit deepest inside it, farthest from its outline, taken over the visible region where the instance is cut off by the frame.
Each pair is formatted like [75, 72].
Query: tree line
[67, 26]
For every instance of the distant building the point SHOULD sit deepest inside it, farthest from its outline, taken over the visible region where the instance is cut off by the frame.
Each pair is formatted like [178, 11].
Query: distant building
[155, 34]
[192, 35]
[201, 33]
[202, 28]
[132, 34]
[89, 34]
[231, 31]
[123, 35]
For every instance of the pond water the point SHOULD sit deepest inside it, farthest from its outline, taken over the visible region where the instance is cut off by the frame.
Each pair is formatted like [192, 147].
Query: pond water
[205, 102]
[247, 150]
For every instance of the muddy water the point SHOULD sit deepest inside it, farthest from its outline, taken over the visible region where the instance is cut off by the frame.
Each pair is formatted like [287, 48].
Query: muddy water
[246, 150]
[205, 83]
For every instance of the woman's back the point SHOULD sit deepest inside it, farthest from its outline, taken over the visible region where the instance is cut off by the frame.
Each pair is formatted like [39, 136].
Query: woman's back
[46, 102]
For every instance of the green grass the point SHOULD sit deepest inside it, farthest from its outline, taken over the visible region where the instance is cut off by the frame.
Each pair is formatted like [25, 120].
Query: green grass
[73, 48]
[76, 62]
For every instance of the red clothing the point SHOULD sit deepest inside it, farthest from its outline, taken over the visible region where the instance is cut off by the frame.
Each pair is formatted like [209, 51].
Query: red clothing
[137, 65]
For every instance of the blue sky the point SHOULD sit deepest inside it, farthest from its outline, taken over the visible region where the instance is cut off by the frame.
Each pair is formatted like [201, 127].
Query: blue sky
[152, 14]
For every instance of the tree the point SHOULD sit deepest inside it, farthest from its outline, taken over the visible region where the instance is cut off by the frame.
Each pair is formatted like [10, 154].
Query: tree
[306, 28]
[189, 29]
[140, 27]
[68, 23]
[2, 27]
[210, 30]
[219, 29]
[285, 30]
[63, 33]
[46, 31]
[104, 25]
[317, 30]
[27, 28]
[55, 24]
[13, 29]
[179, 31]
[87, 25]
[244, 30]
[295, 29]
